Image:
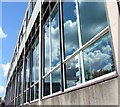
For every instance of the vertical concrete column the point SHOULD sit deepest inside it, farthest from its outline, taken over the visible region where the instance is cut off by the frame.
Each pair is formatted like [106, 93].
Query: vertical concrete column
[113, 17]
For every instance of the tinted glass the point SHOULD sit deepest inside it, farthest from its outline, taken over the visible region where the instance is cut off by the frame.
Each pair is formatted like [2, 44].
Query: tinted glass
[98, 58]
[71, 42]
[28, 95]
[37, 62]
[55, 38]
[47, 86]
[73, 72]
[37, 91]
[33, 64]
[92, 19]
[47, 48]
[32, 93]
[56, 81]
[27, 71]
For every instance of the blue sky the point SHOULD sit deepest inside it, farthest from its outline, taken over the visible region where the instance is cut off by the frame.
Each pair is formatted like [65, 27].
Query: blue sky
[10, 23]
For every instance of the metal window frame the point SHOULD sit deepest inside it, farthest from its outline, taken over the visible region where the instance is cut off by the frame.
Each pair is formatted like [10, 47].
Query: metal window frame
[77, 52]
[50, 45]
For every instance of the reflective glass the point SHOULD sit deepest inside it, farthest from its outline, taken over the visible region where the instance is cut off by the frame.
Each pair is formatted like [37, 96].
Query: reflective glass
[37, 91]
[98, 58]
[32, 93]
[33, 64]
[92, 19]
[27, 71]
[56, 81]
[24, 97]
[28, 95]
[55, 38]
[37, 62]
[73, 72]
[47, 48]
[20, 80]
[21, 99]
[47, 86]
[71, 40]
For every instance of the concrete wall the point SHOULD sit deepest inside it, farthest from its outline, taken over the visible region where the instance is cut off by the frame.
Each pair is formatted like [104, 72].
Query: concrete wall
[104, 93]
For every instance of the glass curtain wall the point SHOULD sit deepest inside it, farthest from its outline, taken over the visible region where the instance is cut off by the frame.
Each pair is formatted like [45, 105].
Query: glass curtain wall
[35, 71]
[27, 79]
[51, 74]
[86, 42]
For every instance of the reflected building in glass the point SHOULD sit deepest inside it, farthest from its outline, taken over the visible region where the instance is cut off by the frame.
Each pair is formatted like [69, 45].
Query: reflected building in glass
[66, 54]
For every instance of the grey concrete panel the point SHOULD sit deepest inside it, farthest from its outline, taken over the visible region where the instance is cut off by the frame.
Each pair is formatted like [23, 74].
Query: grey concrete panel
[104, 93]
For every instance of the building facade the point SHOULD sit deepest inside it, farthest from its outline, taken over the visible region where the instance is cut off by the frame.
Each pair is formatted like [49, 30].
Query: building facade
[67, 53]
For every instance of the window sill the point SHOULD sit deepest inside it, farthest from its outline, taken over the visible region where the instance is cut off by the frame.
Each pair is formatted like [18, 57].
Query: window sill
[34, 101]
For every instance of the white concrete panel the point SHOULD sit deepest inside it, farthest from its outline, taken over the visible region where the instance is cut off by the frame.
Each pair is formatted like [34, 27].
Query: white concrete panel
[113, 15]
[33, 17]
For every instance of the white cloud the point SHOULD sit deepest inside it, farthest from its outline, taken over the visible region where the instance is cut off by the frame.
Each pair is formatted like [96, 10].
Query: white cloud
[1, 89]
[5, 68]
[107, 49]
[2, 34]
[97, 59]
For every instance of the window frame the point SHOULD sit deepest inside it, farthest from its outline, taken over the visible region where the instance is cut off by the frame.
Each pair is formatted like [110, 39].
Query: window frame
[50, 43]
[33, 48]
[79, 51]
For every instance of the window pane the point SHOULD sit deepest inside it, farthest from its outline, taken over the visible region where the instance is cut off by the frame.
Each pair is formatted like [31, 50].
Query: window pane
[33, 64]
[47, 86]
[70, 28]
[37, 62]
[37, 91]
[73, 72]
[47, 49]
[28, 95]
[20, 80]
[24, 97]
[92, 18]
[27, 71]
[56, 81]
[21, 99]
[32, 93]
[17, 84]
[54, 26]
[98, 58]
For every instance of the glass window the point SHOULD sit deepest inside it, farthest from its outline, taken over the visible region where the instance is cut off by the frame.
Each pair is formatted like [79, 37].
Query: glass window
[35, 70]
[92, 19]
[28, 95]
[27, 81]
[56, 81]
[17, 84]
[52, 52]
[33, 64]
[55, 37]
[73, 72]
[46, 86]
[98, 58]
[30, 10]
[47, 48]
[24, 97]
[32, 93]
[20, 81]
[71, 40]
[37, 62]
[37, 91]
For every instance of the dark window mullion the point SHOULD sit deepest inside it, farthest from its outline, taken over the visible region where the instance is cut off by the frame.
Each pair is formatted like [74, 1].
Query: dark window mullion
[30, 74]
[62, 52]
